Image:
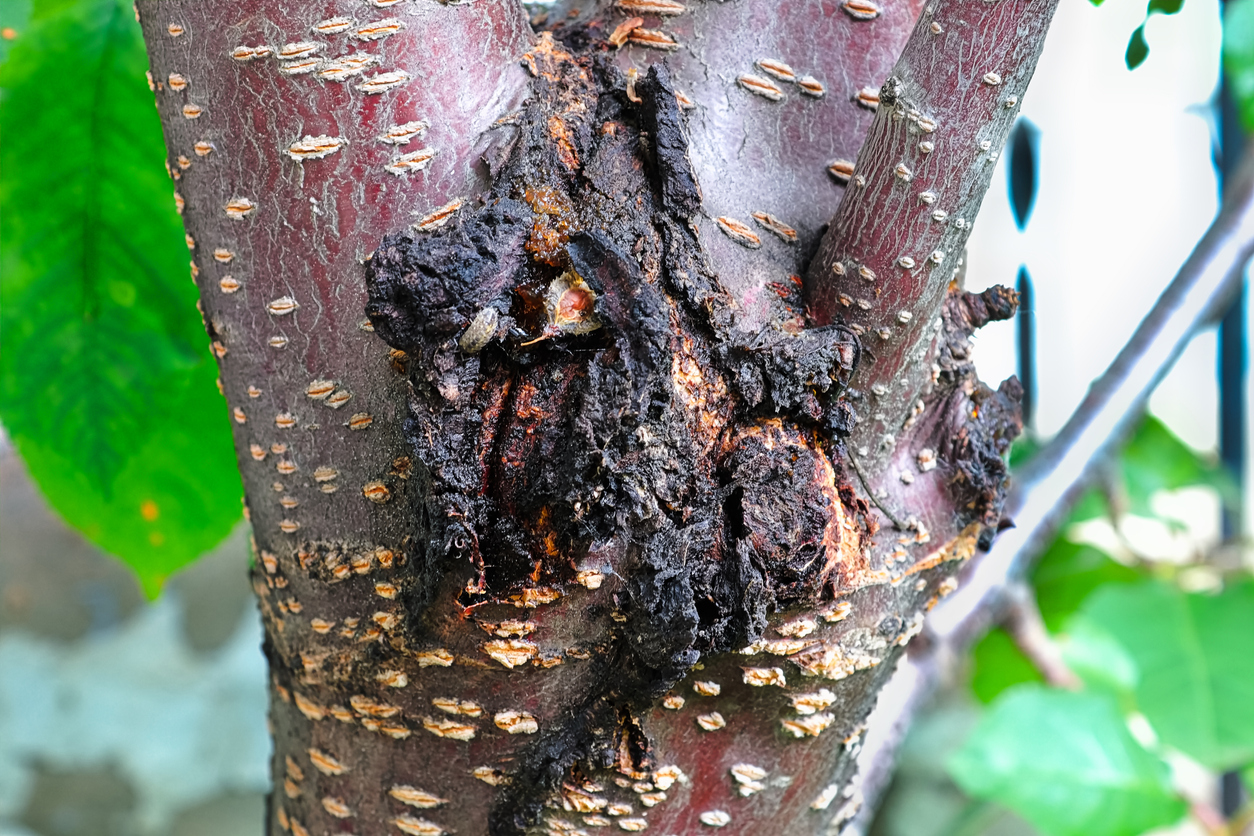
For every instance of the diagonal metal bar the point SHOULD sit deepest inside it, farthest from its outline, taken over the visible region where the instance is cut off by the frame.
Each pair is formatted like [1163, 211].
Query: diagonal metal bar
[1056, 477]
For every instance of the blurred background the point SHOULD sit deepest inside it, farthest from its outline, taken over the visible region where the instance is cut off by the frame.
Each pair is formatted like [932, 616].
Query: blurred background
[119, 716]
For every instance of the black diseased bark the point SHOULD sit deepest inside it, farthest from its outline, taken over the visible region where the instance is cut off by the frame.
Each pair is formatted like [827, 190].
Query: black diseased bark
[591, 544]
[598, 411]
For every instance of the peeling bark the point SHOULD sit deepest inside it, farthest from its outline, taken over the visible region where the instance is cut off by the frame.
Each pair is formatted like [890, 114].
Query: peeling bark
[594, 539]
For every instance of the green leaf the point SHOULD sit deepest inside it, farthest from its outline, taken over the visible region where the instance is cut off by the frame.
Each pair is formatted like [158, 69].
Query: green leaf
[1063, 578]
[1165, 7]
[106, 381]
[14, 18]
[1194, 658]
[1155, 459]
[1091, 505]
[1098, 658]
[1022, 451]
[1067, 764]
[997, 665]
[1238, 57]
[1138, 49]
[1068, 573]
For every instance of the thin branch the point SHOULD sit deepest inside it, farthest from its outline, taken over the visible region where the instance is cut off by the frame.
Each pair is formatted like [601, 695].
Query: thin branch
[896, 241]
[1059, 474]
[1027, 628]
[1208, 818]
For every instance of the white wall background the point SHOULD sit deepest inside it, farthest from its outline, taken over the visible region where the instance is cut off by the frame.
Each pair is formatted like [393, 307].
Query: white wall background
[1126, 186]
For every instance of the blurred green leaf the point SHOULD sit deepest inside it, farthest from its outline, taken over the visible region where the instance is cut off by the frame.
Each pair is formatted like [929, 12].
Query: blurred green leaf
[1138, 49]
[1194, 659]
[14, 18]
[1098, 658]
[998, 665]
[1068, 573]
[1067, 764]
[1022, 451]
[1092, 505]
[106, 381]
[1238, 57]
[1063, 578]
[1155, 459]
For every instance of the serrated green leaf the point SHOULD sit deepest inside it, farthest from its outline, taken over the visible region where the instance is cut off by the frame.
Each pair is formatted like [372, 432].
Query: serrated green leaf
[1067, 764]
[167, 506]
[91, 316]
[106, 382]
[1238, 57]
[1194, 658]
[1138, 49]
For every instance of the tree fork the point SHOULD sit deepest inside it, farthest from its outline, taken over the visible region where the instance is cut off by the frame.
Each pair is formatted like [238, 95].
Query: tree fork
[896, 244]
[583, 548]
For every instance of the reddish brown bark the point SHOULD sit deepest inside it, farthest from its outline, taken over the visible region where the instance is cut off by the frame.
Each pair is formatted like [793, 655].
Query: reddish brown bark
[897, 241]
[583, 549]
[276, 242]
[755, 153]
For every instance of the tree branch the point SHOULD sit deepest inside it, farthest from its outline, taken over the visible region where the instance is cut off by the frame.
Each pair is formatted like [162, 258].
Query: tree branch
[896, 241]
[1058, 475]
[774, 116]
[1027, 628]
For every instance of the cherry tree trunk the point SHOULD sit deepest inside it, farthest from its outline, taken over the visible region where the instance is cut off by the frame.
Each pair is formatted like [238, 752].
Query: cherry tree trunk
[600, 387]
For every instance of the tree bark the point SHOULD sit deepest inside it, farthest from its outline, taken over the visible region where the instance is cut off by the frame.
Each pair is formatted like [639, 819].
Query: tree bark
[626, 524]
